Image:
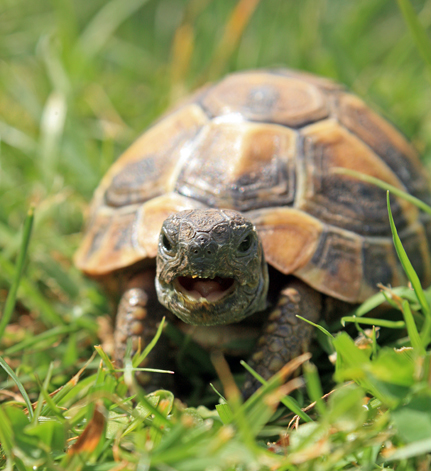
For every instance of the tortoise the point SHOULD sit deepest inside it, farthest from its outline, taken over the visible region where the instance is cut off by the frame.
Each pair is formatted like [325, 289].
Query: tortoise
[229, 213]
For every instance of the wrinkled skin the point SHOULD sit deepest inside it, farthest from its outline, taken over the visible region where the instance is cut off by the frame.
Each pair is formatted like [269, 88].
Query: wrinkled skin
[210, 267]
[211, 271]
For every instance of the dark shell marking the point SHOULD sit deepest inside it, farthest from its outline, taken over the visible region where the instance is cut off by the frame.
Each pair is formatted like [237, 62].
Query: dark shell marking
[241, 166]
[267, 143]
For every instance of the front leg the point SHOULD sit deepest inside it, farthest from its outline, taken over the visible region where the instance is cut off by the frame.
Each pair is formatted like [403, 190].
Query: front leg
[138, 317]
[284, 336]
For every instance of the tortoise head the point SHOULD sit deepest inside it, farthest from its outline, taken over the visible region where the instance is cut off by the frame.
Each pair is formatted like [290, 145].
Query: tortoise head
[211, 267]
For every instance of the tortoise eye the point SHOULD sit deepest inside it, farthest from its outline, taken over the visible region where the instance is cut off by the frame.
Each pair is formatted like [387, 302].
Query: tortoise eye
[166, 243]
[245, 244]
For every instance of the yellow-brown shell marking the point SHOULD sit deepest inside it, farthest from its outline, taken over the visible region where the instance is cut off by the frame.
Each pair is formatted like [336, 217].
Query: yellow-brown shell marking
[268, 144]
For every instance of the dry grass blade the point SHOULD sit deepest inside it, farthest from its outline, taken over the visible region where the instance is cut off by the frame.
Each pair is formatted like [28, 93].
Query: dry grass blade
[294, 423]
[293, 365]
[234, 28]
[90, 437]
[275, 397]
[280, 378]
[182, 51]
[223, 371]
[183, 46]
[76, 377]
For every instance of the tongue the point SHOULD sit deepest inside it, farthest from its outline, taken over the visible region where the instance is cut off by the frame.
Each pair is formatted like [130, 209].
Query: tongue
[207, 287]
[210, 289]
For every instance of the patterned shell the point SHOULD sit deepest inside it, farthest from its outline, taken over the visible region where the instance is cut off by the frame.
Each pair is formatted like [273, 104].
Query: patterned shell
[268, 143]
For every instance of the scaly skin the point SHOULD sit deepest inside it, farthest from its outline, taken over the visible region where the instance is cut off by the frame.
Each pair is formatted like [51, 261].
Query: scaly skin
[138, 316]
[208, 244]
[285, 336]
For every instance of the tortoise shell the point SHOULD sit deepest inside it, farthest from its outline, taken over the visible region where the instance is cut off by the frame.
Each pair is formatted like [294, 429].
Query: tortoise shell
[267, 143]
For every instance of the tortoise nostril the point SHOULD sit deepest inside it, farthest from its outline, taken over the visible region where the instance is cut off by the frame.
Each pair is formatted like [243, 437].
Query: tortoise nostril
[209, 249]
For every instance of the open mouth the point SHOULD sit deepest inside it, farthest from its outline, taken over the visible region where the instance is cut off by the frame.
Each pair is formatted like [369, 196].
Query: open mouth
[211, 289]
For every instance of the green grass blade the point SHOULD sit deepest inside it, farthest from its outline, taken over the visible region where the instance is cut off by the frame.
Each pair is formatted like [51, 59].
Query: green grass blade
[374, 339]
[105, 358]
[31, 296]
[19, 385]
[6, 434]
[223, 399]
[322, 329]
[105, 22]
[11, 297]
[50, 404]
[150, 370]
[225, 413]
[379, 298]
[417, 30]
[372, 321]
[385, 186]
[412, 329]
[314, 387]
[138, 360]
[287, 401]
[45, 385]
[411, 275]
[53, 334]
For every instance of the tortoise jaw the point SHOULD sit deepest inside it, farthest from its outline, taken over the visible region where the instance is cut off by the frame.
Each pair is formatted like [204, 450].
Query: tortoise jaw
[212, 301]
[200, 290]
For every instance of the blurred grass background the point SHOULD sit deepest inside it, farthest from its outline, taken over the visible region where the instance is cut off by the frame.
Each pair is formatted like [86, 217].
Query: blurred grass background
[79, 80]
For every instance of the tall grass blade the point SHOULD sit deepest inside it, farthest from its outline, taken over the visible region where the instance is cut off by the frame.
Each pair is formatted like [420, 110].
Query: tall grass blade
[234, 28]
[19, 385]
[38, 410]
[286, 401]
[385, 186]
[51, 130]
[16, 138]
[32, 342]
[11, 297]
[321, 328]
[314, 387]
[183, 47]
[137, 360]
[104, 23]
[412, 329]
[417, 30]
[411, 275]
[105, 358]
[31, 296]
[6, 434]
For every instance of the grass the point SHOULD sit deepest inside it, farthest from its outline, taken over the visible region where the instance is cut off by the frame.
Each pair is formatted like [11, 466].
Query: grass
[78, 82]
